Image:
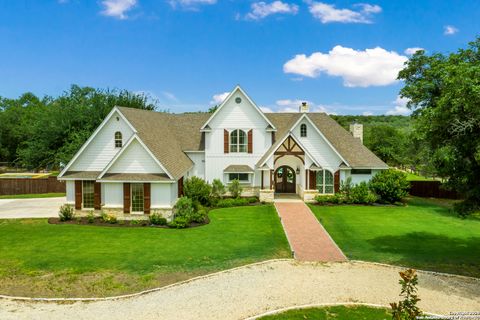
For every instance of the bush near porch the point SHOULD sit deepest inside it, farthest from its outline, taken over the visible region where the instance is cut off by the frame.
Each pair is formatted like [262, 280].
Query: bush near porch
[41, 259]
[424, 234]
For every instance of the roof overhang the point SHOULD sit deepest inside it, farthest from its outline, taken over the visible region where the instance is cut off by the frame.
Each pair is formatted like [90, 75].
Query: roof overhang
[238, 168]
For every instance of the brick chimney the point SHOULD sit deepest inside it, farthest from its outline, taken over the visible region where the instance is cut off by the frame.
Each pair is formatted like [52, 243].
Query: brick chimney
[356, 129]
[303, 108]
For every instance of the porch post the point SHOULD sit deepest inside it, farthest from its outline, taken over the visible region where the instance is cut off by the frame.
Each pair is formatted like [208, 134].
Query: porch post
[261, 184]
[307, 173]
[271, 179]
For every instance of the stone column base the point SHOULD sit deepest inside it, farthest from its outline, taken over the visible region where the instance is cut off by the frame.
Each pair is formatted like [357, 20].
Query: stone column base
[266, 195]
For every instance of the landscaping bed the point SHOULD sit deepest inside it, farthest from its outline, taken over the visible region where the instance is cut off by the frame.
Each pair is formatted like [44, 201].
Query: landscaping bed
[98, 221]
[331, 313]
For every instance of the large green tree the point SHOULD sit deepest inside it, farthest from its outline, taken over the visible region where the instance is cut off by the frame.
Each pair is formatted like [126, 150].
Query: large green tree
[444, 92]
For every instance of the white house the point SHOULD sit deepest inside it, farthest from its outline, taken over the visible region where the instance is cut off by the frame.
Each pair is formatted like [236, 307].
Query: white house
[136, 160]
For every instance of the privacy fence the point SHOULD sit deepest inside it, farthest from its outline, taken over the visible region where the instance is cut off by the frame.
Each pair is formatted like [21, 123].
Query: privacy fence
[432, 189]
[11, 186]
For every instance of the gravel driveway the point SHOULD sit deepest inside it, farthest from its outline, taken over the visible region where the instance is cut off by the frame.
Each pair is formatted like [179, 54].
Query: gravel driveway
[30, 208]
[255, 289]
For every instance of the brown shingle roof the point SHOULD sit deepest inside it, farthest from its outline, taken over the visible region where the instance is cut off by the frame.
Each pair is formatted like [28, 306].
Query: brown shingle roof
[168, 136]
[86, 175]
[238, 168]
[135, 177]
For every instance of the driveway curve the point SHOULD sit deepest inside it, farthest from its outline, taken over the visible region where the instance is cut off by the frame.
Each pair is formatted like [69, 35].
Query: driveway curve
[247, 291]
[30, 208]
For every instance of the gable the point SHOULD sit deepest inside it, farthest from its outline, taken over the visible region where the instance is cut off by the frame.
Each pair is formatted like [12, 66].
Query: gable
[135, 159]
[238, 111]
[100, 150]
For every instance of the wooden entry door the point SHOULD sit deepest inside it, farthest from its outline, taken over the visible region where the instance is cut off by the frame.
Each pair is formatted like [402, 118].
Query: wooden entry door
[285, 180]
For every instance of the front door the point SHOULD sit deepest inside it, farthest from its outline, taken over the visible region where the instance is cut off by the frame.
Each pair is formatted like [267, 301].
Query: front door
[285, 180]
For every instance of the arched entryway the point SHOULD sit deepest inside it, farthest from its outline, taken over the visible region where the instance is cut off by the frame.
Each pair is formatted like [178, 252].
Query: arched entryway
[285, 180]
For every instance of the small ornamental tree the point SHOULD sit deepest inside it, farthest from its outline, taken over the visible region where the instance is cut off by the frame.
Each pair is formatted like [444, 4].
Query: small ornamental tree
[218, 189]
[407, 308]
[235, 188]
[390, 185]
[197, 189]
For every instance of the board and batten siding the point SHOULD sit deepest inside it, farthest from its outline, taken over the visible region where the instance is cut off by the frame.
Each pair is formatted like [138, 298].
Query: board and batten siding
[161, 195]
[233, 116]
[113, 194]
[317, 146]
[357, 178]
[135, 159]
[70, 191]
[101, 150]
[198, 170]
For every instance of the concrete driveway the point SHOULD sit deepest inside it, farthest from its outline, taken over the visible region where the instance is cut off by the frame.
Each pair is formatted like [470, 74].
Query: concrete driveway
[30, 208]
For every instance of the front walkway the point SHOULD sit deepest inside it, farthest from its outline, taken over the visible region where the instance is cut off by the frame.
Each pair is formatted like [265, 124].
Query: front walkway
[307, 237]
[247, 291]
[30, 208]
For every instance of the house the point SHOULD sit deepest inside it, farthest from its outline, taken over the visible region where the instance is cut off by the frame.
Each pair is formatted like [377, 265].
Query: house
[136, 160]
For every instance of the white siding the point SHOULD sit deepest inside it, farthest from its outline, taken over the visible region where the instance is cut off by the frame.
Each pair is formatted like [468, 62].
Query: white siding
[318, 147]
[101, 149]
[70, 189]
[235, 116]
[161, 195]
[357, 178]
[113, 195]
[173, 193]
[198, 169]
[135, 159]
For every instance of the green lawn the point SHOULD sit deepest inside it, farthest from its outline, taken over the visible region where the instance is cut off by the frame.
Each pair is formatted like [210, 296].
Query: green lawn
[422, 235]
[32, 195]
[333, 313]
[72, 260]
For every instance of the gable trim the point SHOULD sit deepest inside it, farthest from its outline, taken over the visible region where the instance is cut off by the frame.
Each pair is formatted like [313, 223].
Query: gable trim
[237, 88]
[90, 139]
[115, 158]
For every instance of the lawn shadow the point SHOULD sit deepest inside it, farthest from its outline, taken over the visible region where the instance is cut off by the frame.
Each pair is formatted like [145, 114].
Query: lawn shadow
[431, 251]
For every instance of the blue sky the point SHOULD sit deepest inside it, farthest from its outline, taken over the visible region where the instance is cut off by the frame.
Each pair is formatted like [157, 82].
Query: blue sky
[340, 56]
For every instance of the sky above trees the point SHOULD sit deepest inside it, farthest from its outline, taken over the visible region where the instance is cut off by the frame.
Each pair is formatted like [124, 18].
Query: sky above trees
[340, 56]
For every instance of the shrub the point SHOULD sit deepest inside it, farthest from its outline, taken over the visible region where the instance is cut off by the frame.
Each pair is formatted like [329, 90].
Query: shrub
[218, 189]
[197, 189]
[407, 309]
[66, 212]
[390, 185]
[324, 199]
[184, 208]
[232, 202]
[90, 217]
[109, 218]
[179, 223]
[235, 188]
[252, 200]
[346, 186]
[157, 219]
[200, 216]
[361, 194]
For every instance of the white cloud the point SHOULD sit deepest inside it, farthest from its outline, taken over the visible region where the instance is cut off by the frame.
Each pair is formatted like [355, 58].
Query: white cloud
[117, 8]
[371, 67]
[262, 9]
[400, 107]
[449, 30]
[327, 13]
[367, 113]
[266, 109]
[191, 4]
[413, 50]
[292, 105]
[218, 98]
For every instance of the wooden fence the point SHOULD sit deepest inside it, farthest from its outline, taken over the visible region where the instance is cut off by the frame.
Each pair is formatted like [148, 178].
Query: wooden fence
[12, 186]
[432, 189]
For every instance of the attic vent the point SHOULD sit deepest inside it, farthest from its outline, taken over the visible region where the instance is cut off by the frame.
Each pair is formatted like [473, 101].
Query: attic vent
[238, 99]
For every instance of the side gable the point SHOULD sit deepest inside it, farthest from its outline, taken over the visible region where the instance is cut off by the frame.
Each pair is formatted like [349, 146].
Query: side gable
[242, 114]
[100, 149]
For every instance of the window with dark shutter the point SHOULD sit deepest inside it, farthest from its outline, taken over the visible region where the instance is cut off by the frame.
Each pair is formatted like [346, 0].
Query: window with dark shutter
[250, 141]
[225, 141]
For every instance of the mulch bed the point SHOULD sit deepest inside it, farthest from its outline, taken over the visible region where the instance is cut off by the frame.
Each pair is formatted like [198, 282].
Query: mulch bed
[120, 223]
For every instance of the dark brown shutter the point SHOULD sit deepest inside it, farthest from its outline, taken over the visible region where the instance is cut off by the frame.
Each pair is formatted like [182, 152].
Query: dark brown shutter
[225, 141]
[336, 181]
[180, 187]
[97, 196]
[126, 197]
[261, 184]
[78, 194]
[307, 172]
[271, 179]
[250, 141]
[313, 180]
[273, 137]
[146, 198]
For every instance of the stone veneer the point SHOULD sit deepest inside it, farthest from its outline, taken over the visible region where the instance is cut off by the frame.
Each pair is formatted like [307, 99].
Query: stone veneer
[266, 195]
[118, 212]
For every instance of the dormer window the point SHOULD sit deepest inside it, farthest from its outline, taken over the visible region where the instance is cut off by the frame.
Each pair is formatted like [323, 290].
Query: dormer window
[118, 139]
[238, 141]
[303, 130]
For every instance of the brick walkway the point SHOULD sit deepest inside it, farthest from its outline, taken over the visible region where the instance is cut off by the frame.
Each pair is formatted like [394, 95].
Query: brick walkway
[307, 237]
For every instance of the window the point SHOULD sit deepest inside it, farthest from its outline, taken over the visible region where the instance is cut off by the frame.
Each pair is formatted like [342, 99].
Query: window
[303, 130]
[242, 177]
[325, 181]
[118, 139]
[361, 171]
[238, 141]
[137, 197]
[87, 194]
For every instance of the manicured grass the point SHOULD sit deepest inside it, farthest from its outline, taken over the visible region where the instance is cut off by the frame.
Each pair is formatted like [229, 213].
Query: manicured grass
[421, 235]
[331, 313]
[90, 260]
[32, 195]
